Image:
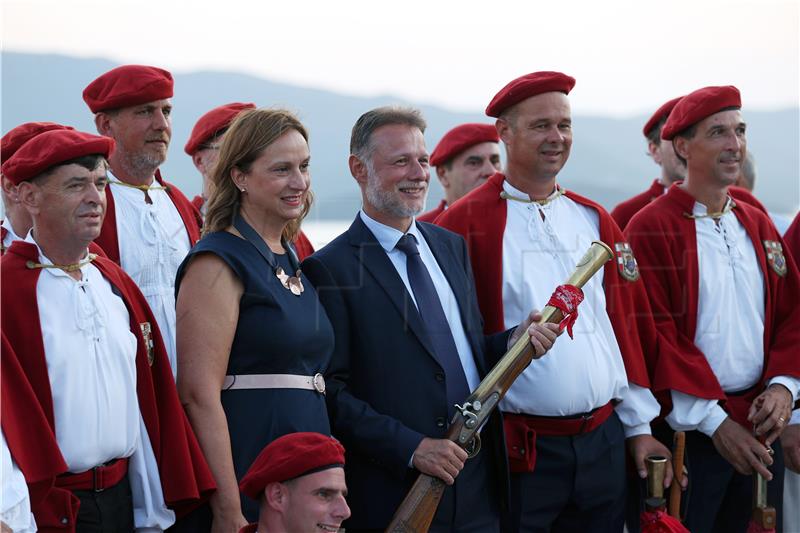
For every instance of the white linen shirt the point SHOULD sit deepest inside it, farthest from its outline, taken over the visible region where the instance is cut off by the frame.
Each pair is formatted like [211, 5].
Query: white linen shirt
[15, 505]
[730, 319]
[576, 375]
[152, 244]
[91, 365]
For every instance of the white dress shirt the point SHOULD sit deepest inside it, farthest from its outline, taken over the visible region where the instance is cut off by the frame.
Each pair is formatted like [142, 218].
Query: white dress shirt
[541, 246]
[152, 244]
[91, 364]
[10, 236]
[388, 238]
[730, 319]
[15, 505]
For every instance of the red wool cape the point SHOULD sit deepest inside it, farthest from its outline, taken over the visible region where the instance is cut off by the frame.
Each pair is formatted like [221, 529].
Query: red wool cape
[185, 477]
[109, 240]
[623, 213]
[480, 217]
[665, 242]
[33, 446]
[430, 216]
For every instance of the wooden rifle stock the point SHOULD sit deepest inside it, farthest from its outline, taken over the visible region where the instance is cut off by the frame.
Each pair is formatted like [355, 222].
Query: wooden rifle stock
[416, 511]
[677, 467]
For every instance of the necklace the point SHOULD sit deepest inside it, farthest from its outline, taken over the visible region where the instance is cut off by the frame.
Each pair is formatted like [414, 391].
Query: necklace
[144, 188]
[291, 283]
[716, 215]
[66, 268]
[558, 192]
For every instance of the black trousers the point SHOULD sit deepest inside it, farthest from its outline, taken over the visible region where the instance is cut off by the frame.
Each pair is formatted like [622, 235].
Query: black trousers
[109, 511]
[470, 504]
[578, 484]
[719, 499]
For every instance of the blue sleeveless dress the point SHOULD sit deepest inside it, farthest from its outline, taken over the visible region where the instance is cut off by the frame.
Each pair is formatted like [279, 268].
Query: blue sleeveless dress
[277, 333]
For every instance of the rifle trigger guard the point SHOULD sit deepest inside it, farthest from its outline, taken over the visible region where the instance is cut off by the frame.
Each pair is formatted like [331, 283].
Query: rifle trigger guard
[473, 446]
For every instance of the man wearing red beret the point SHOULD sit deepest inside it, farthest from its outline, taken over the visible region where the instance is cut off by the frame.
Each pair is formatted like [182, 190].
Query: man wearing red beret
[298, 480]
[203, 144]
[89, 346]
[525, 235]
[203, 148]
[724, 296]
[464, 158]
[672, 169]
[17, 223]
[150, 225]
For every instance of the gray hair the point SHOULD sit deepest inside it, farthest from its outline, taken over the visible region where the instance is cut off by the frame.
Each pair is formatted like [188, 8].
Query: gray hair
[361, 136]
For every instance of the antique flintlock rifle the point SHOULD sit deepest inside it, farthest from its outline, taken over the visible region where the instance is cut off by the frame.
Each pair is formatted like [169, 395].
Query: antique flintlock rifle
[416, 511]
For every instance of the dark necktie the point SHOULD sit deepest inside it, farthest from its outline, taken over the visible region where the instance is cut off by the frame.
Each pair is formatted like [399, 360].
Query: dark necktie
[435, 322]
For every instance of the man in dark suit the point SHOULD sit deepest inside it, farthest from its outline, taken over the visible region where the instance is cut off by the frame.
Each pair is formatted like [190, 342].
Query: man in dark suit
[409, 340]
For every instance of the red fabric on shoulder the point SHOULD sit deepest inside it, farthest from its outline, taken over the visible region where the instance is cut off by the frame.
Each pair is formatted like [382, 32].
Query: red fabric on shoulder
[430, 216]
[480, 217]
[792, 239]
[189, 213]
[303, 246]
[624, 211]
[3, 233]
[108, 240]
[198, 202]
[743, 195]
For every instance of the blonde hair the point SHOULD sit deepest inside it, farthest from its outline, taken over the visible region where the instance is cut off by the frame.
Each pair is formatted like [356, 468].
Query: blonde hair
[248, 136]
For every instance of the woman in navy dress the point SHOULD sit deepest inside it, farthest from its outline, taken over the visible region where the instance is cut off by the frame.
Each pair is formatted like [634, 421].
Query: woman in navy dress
[253, 340]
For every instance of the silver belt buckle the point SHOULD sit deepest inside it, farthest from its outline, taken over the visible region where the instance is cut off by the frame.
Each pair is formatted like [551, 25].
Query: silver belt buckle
[318, 381]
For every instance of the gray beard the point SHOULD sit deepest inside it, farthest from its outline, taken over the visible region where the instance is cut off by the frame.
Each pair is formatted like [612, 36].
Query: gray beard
[142, 165]
[385, 201]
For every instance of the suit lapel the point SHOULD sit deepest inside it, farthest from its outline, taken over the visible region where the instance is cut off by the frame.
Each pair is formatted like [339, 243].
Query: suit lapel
[372, 257]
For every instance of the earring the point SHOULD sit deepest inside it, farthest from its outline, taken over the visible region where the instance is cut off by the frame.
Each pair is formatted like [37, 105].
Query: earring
[243, 190]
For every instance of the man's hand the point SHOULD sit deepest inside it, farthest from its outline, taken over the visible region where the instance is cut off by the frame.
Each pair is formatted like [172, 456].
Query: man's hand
[542, 336]
[741, 449]
[441, 458]
[643, 446]
[770, 412]
[790, 441]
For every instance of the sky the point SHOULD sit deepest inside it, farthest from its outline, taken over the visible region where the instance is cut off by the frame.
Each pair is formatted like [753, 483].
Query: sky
[628, 56]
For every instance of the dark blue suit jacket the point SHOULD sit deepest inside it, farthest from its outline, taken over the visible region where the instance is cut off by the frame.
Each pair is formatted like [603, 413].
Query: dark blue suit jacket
[385, 388]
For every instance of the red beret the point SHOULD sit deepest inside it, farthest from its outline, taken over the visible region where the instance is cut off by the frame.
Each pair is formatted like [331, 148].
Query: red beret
[527, 86]
[52, 148]
[291, 456]
[460, 138]
[14, 139]
[661, 114]
[698, 105]
[127, 86]
[209, 124]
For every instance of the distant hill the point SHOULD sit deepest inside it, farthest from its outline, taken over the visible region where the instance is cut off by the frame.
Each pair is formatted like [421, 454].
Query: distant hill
[608, 161]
